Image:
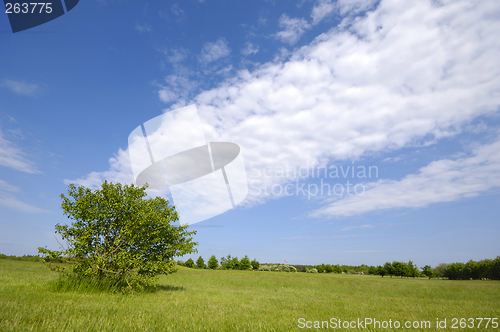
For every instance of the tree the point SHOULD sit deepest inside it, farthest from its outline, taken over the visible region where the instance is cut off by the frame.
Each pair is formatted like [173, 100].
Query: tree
[381, 270]
[440, 270]
[236, 263]
[245, 263]
[389, 269]
[412, 270]
[189, 263]
[200, 263]
[255, 264]
[226, 262]
[428, 271]
[213, 263]
[118, 235]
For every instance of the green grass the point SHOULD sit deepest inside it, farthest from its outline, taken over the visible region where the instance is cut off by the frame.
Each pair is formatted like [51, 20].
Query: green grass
[205, 300]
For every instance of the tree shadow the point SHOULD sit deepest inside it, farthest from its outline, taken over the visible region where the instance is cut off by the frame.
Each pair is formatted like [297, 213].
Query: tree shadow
[168, 288]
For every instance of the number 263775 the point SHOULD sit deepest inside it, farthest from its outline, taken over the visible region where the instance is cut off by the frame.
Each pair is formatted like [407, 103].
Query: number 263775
[31, 7]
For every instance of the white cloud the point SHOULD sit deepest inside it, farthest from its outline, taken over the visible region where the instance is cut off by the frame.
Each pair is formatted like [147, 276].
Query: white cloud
[21, 88]
[441, 181]
[356, 227]
[12, 156]
[325, 8]
[178, 12]
[214, 51]
[177, 55]
[322, 9]
[178, 88]
[396, 76]
[7, 187]
[146, 27]
[6, 199]
[120, 171]
[250, 48]
[294, 28]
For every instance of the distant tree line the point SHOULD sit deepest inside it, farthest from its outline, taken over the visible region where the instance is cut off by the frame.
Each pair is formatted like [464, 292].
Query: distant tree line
[21, 258]
[226, 263]
[484, 269]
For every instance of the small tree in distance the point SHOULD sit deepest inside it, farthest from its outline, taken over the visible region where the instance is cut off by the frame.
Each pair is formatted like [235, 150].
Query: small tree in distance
[200, 263]
[245, 263]
[213, 263]
[255, 264]
[119, 236]
[189, 263]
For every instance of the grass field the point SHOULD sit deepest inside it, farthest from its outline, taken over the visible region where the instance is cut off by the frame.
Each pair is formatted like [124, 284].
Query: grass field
[206, 300]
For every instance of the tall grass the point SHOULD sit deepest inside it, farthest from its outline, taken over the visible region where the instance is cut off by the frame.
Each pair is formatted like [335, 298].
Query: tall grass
[208, 300]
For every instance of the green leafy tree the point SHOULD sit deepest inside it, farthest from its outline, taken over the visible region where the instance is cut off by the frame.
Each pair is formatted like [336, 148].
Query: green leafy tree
[412, 270]
[119, 235]
[213, 263]
[381, 270]
[440, 270]
[255, 264]
[227, 262]
[236, 263]
[389, 269]
[189, 263]
[428, 271]
[200, 263]
[245, 263]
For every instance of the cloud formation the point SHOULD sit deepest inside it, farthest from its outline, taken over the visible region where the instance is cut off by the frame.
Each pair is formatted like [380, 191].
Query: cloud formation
[249, 49]
[13, 157]
[325, 8]
[7, 199]
[214, 51]
[443, 180]
[21, 88]
[293, 29]
[146, 27]
[397, 76]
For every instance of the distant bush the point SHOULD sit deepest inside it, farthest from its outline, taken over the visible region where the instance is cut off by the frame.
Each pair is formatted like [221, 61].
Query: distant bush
[189, 263]
[255, 264]
[22, 258]
[245, 263]
[200, 263]
[277, 268]
[213, 263]
[484, 269]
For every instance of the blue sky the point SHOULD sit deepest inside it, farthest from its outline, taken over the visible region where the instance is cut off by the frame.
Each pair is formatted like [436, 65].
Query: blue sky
[410, 89]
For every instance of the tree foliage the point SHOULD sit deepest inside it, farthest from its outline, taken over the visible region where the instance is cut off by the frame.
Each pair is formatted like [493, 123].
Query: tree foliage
[119, 235]
[255, 264]
[200, 263]
[213, 263]
[245, 263]
[189, 263]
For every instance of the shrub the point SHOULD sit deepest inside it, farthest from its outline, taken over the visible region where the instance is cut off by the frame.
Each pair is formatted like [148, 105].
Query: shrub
[189, 263]
[213, 263]
[119, 235]
[200, 263]
[245, 263]
[255, 264]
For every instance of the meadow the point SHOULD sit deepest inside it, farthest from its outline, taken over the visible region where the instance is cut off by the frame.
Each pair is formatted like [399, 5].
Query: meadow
[219, 300]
